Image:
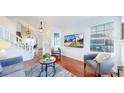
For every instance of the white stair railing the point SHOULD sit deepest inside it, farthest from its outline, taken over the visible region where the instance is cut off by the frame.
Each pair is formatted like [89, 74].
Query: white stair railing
[13, 38]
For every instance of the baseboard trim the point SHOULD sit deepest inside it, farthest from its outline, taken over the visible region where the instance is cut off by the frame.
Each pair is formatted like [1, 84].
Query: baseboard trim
[74, 58]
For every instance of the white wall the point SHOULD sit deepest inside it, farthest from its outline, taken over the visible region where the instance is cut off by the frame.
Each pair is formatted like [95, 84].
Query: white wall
[9, 24]
[77, 53]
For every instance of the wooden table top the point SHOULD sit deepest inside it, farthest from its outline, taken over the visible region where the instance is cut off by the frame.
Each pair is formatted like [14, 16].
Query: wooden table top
[52, 60]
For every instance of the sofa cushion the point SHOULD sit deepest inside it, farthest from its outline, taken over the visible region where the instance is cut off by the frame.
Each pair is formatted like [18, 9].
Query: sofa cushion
[12, 68]
[11, 61]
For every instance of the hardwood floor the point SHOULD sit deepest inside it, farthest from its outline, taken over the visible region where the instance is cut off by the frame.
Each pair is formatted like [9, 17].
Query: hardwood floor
[76, 67]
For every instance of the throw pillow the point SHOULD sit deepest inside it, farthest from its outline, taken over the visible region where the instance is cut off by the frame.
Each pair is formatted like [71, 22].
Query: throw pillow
[3, 54]
[101, 57]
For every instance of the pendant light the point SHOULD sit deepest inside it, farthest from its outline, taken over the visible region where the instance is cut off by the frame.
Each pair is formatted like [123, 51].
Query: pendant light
[28, 31]
[41, 28]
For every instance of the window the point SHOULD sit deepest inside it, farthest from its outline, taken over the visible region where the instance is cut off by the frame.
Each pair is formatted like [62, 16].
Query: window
[57, 40]
[101, 38]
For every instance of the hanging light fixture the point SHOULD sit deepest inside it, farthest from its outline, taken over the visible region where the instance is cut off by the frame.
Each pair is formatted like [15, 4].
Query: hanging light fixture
[28, 31]
[41, 28]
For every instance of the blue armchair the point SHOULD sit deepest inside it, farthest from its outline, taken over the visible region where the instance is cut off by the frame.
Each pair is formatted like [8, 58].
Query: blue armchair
[12, 67]
[101, 68]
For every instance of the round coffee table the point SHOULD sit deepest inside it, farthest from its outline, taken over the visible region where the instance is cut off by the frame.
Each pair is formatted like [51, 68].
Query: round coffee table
[48, 63]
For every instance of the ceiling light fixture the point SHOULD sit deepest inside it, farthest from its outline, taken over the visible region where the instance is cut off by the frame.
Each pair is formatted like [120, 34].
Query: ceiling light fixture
[28, 30]
[41, 28]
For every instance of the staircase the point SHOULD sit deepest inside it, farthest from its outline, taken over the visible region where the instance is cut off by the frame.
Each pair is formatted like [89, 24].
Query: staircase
[19, 45]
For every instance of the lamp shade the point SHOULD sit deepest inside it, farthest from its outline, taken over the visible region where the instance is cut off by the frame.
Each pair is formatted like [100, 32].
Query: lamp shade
[4, 44]
[41, 28]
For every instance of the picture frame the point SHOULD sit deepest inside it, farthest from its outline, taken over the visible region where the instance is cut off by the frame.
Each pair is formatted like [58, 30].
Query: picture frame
[74, 40]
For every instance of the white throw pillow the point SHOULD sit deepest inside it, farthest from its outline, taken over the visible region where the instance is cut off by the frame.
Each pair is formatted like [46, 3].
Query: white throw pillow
[101, 57]
[3, 54]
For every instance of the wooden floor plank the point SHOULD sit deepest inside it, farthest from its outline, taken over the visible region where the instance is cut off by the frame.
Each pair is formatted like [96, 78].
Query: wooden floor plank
[76, 67]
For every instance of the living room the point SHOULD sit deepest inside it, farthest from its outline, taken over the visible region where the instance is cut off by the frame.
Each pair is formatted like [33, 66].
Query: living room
[77, 25]
[66, 27]
[66, 46]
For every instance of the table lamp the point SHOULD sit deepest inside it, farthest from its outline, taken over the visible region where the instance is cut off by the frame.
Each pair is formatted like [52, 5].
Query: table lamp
[3, 45]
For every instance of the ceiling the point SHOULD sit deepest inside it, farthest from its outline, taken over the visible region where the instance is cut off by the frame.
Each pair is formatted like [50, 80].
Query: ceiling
[54, 21]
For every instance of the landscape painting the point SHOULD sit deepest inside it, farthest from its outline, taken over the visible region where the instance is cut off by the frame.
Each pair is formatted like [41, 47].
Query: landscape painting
[74, 40]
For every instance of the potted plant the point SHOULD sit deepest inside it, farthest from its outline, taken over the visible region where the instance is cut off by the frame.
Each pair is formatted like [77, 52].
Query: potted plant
[46, 57]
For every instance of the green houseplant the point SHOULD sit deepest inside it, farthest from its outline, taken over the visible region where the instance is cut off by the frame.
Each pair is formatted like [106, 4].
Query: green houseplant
[46, 57]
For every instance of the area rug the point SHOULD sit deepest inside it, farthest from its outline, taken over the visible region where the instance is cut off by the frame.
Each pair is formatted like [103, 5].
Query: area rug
[34, 71]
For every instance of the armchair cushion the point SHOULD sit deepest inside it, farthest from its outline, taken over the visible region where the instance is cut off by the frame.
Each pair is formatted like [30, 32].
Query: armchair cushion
[105, 66]
[89, 56]
[92, 63]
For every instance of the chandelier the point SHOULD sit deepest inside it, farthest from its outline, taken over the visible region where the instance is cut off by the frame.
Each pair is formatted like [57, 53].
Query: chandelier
[41, 28]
